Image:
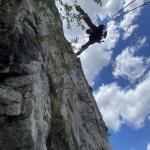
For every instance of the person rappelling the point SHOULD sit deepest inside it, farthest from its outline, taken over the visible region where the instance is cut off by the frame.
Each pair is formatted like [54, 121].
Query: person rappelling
[96, 33]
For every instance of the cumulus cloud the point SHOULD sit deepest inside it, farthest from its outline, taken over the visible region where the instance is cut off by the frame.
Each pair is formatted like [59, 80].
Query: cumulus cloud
[141, 42]
[130, 66]
[120, 106]
[128, 30]
[148, 146]
[93, 61]
[110, 8]
[127, 24]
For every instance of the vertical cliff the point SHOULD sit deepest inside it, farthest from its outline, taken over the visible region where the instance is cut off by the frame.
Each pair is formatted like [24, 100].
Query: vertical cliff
[45, 101]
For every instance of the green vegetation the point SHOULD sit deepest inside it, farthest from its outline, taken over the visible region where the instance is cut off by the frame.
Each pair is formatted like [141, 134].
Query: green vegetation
[67, 68]
[52, 7]
[6, 23]
[57, 138]
[37, 18]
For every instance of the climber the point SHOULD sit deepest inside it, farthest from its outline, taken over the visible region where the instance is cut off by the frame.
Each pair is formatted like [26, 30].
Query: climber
[96, 33]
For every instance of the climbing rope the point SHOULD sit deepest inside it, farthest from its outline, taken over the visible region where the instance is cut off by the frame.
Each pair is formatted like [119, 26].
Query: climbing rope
[115, 16]
[133, 9]
[122, 9]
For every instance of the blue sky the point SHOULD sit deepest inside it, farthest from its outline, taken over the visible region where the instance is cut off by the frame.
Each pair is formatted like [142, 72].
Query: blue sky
[129, 138]
[119, 72]
[105, 76]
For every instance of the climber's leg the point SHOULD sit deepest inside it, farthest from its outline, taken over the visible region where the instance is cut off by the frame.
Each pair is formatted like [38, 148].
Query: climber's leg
[86, 18]
[79, 9]
[84, 47]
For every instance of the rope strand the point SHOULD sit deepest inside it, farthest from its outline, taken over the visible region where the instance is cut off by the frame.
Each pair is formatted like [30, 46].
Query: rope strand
[133, 9]
[122, 9]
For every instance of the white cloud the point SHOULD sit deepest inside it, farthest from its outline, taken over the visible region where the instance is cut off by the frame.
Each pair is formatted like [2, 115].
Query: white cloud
[129, 30]
[111, 8]
[148, 146]
[119, 106]
[130, 66]
[127, 23]
[141, 42]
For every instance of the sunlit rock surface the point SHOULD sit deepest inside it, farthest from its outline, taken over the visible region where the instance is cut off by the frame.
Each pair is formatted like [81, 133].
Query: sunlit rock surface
[45, 100]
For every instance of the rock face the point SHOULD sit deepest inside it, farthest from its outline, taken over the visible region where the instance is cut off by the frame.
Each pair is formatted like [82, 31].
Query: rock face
[45, 101]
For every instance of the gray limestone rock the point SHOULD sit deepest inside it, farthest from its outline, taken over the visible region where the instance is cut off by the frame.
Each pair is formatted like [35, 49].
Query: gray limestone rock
[45, 100]
[10, 102]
